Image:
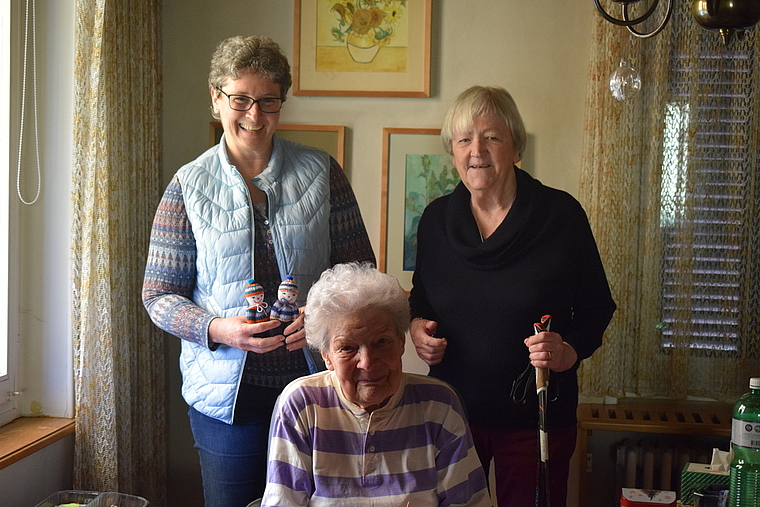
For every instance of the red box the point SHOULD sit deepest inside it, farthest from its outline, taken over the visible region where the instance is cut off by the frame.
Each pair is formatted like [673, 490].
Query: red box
[647, 498]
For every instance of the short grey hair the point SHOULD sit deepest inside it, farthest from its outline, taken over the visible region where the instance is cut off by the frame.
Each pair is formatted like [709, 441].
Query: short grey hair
[347, 289]
[477, 101]
[255, 54]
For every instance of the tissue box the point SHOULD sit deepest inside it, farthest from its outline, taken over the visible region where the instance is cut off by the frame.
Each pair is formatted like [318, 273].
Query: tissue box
[647, 498]
[696, 476]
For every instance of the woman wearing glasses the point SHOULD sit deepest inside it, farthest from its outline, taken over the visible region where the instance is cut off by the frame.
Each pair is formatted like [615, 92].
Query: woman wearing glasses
[253, 206]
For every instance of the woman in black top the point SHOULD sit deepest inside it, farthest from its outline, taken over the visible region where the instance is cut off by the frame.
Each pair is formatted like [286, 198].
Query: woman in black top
[493, 257]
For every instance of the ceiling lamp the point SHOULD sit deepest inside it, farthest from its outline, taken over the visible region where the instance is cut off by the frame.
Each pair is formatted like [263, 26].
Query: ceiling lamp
[630, 23]
[725, 16]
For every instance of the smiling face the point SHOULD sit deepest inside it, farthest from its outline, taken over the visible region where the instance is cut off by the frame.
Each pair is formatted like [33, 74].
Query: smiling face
[254, 299]
[288, 295]
[248, 133]
[365, 353]
[485, 155]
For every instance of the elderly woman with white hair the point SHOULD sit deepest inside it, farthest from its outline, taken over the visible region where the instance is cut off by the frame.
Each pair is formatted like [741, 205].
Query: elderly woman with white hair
[364, 430]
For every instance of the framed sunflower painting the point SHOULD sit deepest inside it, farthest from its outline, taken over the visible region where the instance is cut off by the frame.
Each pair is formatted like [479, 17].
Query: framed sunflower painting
[362, 48]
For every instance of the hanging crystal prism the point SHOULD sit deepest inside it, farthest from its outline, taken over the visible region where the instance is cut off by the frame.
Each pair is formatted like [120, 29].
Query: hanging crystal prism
[625, 82]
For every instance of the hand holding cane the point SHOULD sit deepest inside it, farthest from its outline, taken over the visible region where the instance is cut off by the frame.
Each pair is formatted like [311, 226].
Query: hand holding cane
[542, 388]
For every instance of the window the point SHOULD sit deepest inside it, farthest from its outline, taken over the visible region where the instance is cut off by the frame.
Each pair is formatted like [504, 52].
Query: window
[707, 162]
[8, 346]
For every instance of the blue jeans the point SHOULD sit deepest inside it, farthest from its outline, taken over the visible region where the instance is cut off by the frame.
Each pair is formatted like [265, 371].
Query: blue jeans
[233, 458]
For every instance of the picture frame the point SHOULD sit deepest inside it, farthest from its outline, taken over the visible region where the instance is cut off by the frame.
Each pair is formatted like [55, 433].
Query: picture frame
[331, 138]
[416, 170]
[330, 58]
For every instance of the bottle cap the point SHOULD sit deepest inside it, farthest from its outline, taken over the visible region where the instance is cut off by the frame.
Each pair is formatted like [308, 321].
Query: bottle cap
[754, 383]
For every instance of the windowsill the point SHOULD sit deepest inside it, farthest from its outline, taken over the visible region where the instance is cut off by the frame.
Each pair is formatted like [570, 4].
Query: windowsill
[24, 436]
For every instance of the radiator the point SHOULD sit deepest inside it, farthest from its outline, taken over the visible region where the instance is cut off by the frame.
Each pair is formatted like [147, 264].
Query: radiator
[654, 464]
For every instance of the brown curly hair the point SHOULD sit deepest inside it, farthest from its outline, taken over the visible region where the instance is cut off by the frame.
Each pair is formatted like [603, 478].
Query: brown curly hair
[256, 54]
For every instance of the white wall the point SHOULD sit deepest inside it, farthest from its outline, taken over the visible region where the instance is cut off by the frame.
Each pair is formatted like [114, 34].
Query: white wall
[537, 49]
[33, 479]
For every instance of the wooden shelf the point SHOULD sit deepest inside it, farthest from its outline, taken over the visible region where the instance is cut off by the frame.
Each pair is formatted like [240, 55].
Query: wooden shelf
[658, 416]
[27, 435]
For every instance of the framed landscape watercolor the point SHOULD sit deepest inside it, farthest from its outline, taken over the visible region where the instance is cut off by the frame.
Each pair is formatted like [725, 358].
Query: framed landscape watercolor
[416, 170]
[362, 48]
[331, 138]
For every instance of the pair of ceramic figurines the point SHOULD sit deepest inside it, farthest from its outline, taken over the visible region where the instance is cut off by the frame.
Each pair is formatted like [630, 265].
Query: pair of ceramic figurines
[284, 309]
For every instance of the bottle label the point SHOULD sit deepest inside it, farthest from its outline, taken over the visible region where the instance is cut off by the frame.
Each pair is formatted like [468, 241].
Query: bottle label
[745, 433]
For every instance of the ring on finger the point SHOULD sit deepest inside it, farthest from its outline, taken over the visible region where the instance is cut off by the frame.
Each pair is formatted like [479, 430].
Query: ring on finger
[551, 355]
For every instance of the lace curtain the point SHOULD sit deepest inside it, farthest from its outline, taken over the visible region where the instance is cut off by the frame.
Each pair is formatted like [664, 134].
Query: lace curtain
[670, 181]
[119, 364]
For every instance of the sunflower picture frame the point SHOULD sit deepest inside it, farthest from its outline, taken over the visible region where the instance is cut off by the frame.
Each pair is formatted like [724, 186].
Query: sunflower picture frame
[362, 48]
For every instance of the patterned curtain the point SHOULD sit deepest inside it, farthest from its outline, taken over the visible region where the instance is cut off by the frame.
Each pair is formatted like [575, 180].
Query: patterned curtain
[670, 180]
[119, 361]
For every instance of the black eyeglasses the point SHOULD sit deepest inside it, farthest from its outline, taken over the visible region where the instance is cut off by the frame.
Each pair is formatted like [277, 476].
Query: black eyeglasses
[244, 103]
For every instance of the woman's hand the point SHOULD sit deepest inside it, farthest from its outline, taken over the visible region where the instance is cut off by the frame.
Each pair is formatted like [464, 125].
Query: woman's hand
[548, 350]
[237, 333]
[429, 348]
[295, 335]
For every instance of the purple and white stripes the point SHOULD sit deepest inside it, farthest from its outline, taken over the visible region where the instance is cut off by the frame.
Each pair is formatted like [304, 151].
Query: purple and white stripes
[328, 451]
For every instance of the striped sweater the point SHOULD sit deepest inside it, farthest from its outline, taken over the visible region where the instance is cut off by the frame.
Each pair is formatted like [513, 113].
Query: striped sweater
[417, 449]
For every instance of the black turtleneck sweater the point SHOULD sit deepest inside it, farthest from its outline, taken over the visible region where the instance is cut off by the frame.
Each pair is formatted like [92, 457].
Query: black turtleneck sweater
[486, 296]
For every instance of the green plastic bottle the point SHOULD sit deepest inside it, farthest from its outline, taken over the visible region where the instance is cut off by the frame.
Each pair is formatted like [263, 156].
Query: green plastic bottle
[744, 490]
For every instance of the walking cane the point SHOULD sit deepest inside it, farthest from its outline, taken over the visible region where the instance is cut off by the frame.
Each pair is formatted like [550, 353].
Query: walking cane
[542, 388]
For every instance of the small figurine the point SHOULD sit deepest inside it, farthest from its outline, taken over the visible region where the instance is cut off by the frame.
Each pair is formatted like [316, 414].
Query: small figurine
[285, 309]
[257, 308]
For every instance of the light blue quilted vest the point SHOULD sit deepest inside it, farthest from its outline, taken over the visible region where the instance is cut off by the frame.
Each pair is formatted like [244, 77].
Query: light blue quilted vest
[297, 184]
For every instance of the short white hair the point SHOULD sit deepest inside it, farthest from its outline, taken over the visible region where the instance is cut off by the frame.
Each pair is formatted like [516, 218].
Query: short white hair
[478, 101]
[347, 289]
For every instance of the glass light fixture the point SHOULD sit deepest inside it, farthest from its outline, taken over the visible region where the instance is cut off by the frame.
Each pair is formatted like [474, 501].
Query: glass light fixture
[625, 82]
